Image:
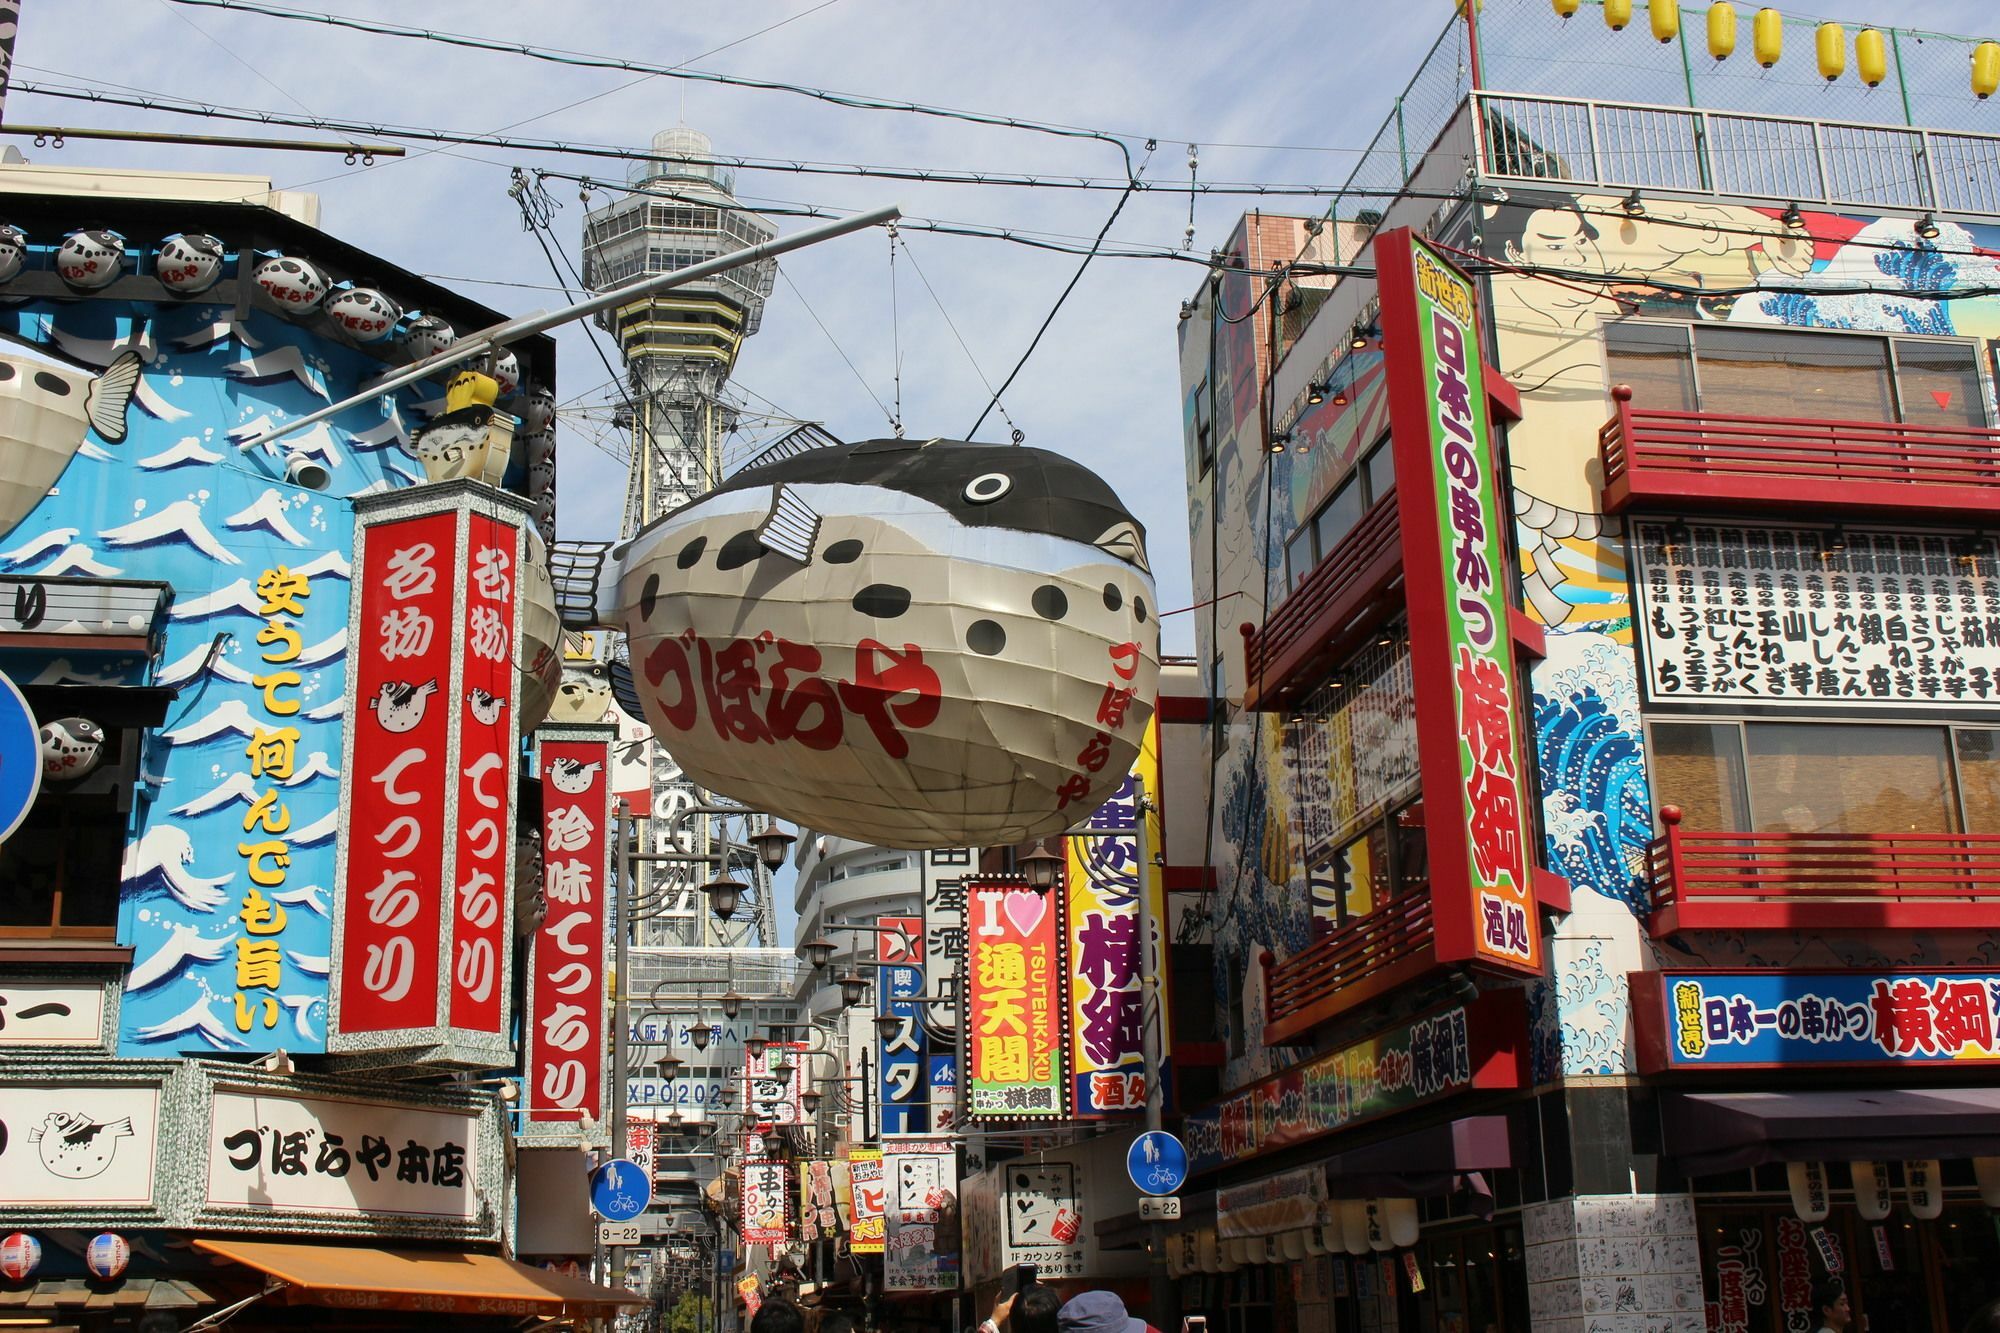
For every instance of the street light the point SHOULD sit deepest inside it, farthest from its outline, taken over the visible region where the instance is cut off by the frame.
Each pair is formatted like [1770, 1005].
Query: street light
[784, 1069]
[669, 1065]
[723, 895]
[732, 1004]
[700, 1035]
[853, 989]
[1041, 866]
[819, 952]
[810, 1101]
[754, 1046]
[772, 845]
[887, 1026]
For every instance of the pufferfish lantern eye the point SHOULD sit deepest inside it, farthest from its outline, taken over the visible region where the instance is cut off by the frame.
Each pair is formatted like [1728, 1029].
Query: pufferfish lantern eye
[988, 487]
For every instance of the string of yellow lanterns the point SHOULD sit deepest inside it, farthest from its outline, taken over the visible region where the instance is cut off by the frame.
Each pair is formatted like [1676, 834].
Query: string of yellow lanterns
[1767, 40]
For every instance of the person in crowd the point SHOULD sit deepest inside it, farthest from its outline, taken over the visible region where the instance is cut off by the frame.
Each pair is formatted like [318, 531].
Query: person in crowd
[1830, 1307]
[837, 1321]
[778, 1315]
[1031, 1310]
[1103, 1312]
[1986, 1319]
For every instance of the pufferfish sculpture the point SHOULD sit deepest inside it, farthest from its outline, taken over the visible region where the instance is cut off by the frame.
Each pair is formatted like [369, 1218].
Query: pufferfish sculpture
[912, 643]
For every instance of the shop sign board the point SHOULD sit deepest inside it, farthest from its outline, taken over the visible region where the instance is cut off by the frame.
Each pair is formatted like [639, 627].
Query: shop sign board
[822, 1183]
[36, 1012]
[774, 1101]
[1014, 989]
[1752, 614]
[1763, 1019]
[923, 1208]
[69, 1144]
[905, 1082]
[1455, 535]
[1291, 1201]
[276, 1153]
[1480, 1044]
[1028, 1211]
[430, 763]
[764, 1203]
[865, 1175]
[944, 937]
[567, 965]
[1108, 942]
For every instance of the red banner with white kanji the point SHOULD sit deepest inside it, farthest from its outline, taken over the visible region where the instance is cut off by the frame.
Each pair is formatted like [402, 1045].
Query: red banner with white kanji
[568, 965]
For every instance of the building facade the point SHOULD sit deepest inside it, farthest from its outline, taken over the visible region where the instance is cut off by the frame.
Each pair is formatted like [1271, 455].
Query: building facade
[1600, 793]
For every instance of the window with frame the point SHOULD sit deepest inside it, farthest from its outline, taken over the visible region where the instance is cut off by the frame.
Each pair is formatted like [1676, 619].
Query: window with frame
[1813, 374]
[60, 868]
[1826, 777]
[1385, 859]
[1366, 483]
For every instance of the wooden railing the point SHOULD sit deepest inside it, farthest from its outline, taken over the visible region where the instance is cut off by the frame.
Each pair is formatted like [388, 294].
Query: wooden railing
[1322, 619]
[1724, 459]
[1363, 959]
[1835, 881]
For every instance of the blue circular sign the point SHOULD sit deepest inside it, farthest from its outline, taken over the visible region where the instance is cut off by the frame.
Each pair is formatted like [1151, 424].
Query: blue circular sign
[1157, 1162]
[619, 1190]
[20, 757]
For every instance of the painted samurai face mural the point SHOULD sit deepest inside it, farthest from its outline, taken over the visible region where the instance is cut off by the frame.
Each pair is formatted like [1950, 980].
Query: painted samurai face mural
[915, 644]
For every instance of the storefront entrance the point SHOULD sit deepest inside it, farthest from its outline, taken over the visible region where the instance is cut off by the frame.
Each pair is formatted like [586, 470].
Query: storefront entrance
[1903, 1275]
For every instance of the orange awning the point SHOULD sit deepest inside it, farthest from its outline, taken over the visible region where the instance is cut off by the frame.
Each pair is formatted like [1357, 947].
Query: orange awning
[356, 1277]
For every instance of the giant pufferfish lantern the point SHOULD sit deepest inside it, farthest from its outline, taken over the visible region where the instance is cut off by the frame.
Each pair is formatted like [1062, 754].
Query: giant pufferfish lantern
[913, 644]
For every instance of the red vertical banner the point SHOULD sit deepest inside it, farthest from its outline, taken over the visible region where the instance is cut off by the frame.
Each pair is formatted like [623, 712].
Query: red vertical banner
[423, 903]
[569, 966]
[1451, 503]
[486, 702]
[1014, 1001]
[397, 743]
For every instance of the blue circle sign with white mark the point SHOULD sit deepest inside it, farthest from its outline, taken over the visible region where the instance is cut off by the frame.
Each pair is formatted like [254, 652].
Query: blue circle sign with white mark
[20, 757]
[619, 1190]
[1157, 1162]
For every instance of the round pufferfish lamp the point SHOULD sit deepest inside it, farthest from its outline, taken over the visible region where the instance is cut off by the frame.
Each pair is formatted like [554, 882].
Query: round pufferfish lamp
[917, 644]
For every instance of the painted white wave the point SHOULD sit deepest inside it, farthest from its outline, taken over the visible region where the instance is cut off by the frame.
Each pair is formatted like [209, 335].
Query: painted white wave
[211, 334]
[178, 522]
[79, 559]
[188, 666]
[198, 1019]
[165, 853]
[392, 431]
[281, 363]
[103, 351]
[375, 487]
[317, 765]
[316, 441]
[310, 896]
[62, 671]
[301, 1007]
[267, 511]
[332, 708]
[320, 830]
[96, 453]
[236, 787]
[227, 716]
[37, 547]
[148, 398]
[185, 947]
[313, 965]
[188, 450]
[333, 564]
[332, 646]
[237, 596]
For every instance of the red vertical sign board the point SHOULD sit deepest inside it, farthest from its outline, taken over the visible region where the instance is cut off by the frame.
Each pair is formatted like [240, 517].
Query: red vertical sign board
[486, 703]
[397, 738]
[1452, 506]
[568, 969]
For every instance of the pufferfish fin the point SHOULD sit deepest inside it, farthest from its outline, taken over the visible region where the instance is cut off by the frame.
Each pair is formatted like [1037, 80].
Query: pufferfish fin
[791, 529]
[111, 394]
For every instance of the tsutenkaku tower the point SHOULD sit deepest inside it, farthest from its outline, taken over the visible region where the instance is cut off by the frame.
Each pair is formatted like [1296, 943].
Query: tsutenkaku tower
[679, 348]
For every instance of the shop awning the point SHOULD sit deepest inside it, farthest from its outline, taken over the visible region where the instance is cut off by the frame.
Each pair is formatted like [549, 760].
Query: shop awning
[1706, 1133]
[1432, 1160]
[435, 1281]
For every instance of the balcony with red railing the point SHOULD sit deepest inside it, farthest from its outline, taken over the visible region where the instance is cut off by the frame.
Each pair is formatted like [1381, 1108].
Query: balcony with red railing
[1361, 961]
[1825, 881]
[1325, 618]
[1723, 460]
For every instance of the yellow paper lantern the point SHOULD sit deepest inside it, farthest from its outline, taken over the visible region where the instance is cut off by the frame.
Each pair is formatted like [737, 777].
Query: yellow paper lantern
[1722, 29]
[1767, 36]
[1831, 43]
[1871, 57]
[1985, 69]
[1565, 8]
[1666, 18]
[1617, 13]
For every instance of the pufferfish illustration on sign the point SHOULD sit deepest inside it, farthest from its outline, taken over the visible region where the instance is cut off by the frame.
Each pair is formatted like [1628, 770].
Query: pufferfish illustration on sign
[46, 406]
[911, 643]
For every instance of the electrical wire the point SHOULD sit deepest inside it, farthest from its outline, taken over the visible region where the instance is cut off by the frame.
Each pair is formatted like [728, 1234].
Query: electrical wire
[895, 336]
[838, 348]
[952, 324]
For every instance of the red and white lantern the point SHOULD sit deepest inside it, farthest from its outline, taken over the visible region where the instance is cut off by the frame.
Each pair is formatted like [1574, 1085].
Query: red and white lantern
[20, 1256]
[107, 1255]
[431, 762]
[566, 971]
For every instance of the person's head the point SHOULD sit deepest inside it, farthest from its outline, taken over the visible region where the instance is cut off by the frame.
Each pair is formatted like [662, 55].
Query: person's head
[836, 1321]
[778, 1316]
[1035, 1310]
[1986, 1319]
[1094, 1312]
[1830, 1306]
